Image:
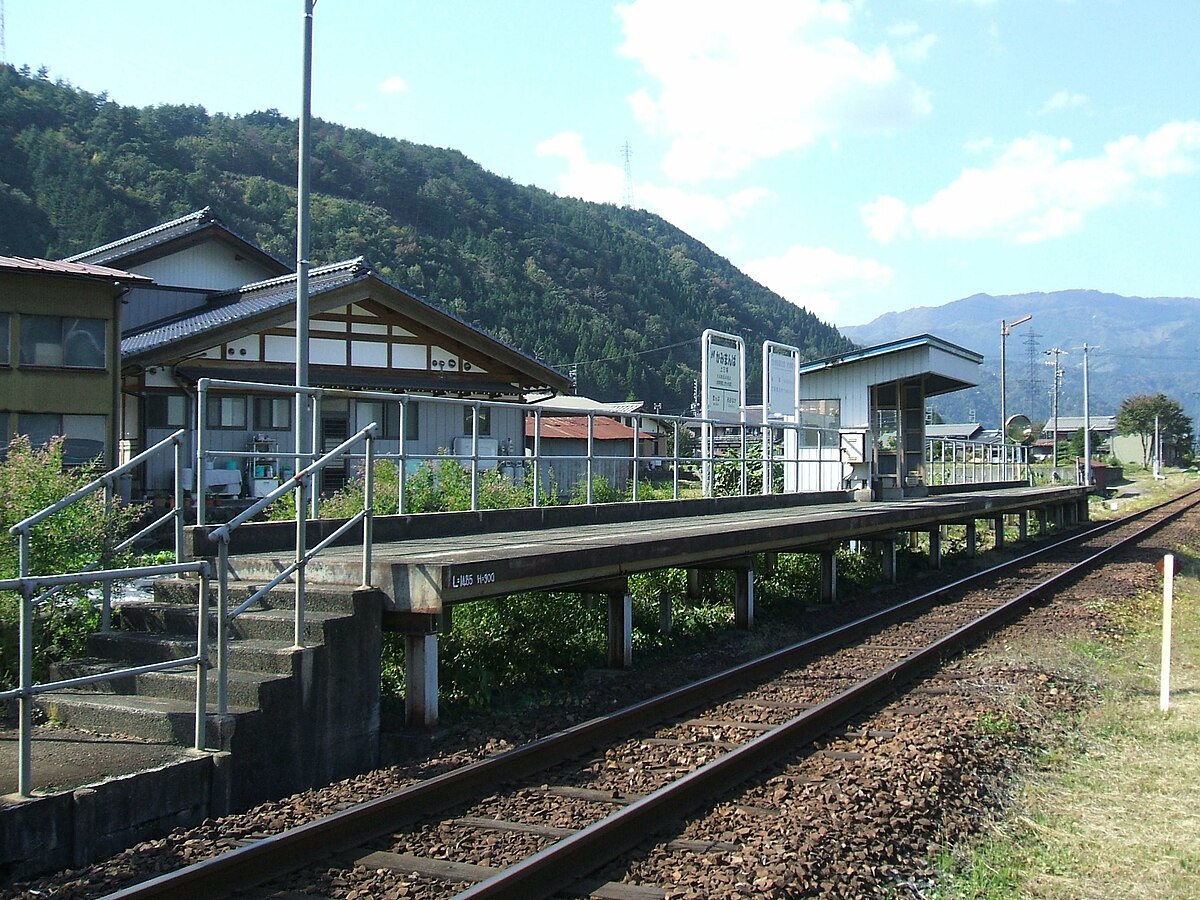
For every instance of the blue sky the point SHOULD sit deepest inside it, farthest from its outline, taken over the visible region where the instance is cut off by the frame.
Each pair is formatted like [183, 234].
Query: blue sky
[857, 157]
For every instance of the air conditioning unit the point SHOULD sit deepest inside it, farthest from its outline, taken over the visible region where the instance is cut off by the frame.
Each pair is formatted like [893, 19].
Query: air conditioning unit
[489, 452]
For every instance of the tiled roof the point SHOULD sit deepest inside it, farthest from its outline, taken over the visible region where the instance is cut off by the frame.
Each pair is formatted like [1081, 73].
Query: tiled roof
[149, 238]
[246, 302]
[55, 267]
[133, 244]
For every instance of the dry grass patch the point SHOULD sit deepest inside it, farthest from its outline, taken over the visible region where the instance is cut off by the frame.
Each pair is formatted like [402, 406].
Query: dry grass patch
[1114, 811]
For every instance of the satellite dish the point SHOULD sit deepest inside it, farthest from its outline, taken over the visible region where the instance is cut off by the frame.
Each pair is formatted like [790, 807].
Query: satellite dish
[1018, 428]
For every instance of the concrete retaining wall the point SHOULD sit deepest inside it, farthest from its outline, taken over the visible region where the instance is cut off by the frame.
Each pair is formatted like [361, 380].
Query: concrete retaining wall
[74, 828]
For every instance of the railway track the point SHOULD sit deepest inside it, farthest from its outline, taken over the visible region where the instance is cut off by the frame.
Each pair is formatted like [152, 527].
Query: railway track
[542, 818]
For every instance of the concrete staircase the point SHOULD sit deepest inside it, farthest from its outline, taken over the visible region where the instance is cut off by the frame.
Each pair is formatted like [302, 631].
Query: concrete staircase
[298, 717]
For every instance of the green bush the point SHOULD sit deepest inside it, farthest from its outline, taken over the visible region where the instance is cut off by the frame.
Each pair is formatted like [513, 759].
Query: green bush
[69, 541]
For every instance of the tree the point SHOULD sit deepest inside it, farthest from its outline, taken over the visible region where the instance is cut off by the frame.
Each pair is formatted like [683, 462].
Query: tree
[1137, 416]
[1076, 447]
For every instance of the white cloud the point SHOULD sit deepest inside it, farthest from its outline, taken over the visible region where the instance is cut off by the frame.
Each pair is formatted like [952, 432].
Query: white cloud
[821, 280]
[605, 183]
[393, 84]
[1036, 189]
[735, 83]
[1062, 100]
[911, 43]
[886, 218]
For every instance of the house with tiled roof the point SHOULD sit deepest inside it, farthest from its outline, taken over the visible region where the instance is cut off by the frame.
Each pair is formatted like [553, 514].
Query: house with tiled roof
[60, 331]
[222, 308]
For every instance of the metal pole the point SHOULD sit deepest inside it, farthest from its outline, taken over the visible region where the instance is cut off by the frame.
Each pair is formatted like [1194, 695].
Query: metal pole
[106, 590]
[1087, 425]
[223, 626]
[304, 436]
[201, 736]
[368, 509]
[25, 737]
[591, 450]
[1005, 330]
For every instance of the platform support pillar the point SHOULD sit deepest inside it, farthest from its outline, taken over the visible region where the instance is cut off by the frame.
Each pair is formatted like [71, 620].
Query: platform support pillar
[770, 561]
[666, 614]
[829, 575]
[620, 629]
[421, 680]
[1059, 518]
[1071, 510]
[1023, 525]
[743, 597]
[998, 531]
[972, 538]
[693, 584]
[890, 569]
[1084, 513]
[935, 548]
[1043, 521]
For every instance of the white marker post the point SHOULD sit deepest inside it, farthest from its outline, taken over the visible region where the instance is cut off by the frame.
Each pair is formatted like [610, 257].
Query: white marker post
[1164, 690]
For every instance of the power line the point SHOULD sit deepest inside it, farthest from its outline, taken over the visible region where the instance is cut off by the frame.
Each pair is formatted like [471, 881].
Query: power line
[588, 362]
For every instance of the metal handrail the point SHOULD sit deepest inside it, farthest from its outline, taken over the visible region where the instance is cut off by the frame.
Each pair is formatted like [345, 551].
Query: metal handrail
[299, 482]
[952, 461]
[27, 585]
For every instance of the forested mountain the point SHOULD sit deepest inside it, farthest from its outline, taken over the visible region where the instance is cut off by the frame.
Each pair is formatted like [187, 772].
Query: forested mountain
[576, 283]
[1137, 345]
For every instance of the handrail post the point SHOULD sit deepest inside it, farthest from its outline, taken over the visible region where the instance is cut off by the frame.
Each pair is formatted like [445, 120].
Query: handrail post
[303, 488]
[178, 522]
[25, 737]
[675, 463]
[106, 588]
[202, 663]
[475, 456]
[537, 457]
[368, 508]
[637, 430]
[201, 427]
[314, 493]
[402, 460]
[591, 449]
[223, 626]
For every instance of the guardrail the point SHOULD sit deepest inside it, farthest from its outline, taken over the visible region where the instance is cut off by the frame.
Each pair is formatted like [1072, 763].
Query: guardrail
[973, 462]
[28, 586]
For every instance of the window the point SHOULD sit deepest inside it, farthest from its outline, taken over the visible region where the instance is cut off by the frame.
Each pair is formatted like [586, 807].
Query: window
[166, 410]
[63, 342]
[485, 420]
[272, 413]
[387, 416]
[5, 433]
[5, 331]
[227, 412]
[83, 436]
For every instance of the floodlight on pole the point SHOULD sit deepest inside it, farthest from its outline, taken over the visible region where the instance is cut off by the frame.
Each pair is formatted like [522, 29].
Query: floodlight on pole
[1005, 330]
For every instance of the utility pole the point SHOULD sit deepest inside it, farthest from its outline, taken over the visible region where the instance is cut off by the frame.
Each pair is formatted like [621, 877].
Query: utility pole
[1056, 352]
[1005, 330]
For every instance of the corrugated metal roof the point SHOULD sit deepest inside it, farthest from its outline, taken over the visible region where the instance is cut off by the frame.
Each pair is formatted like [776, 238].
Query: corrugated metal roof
[58, 267]
[244, 303]
[574, 402]
[921, 340]
[576, 427]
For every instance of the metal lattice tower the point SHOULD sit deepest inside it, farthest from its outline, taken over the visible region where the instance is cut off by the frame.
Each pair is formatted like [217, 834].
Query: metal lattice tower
[627, 153]
[1033, 374]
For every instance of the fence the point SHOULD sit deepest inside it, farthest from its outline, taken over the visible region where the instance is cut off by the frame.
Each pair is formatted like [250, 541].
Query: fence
[973, 462]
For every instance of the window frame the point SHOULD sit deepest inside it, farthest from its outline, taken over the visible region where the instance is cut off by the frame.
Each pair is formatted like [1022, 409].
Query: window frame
[27, 352]
[485, 420]
[258, 403]
[214, 422]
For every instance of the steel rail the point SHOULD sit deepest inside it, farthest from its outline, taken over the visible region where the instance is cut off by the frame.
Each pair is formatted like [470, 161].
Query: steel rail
[277, 855]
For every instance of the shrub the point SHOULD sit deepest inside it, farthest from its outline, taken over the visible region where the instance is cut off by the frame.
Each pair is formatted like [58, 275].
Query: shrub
[72, 540]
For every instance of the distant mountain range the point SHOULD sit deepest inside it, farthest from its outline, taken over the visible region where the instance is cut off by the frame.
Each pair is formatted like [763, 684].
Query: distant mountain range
[1137, 345]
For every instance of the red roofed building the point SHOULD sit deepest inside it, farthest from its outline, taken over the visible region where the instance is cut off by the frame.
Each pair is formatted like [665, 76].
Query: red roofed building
[564, 439]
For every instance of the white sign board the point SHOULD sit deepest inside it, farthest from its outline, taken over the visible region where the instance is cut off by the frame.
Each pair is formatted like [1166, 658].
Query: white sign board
[724, 379]
[781, 372]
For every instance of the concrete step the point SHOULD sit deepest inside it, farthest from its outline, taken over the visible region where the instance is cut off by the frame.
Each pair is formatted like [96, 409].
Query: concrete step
[179, 620]
[245, 688]
[149, 718]
[328, 597]
[138, 648]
